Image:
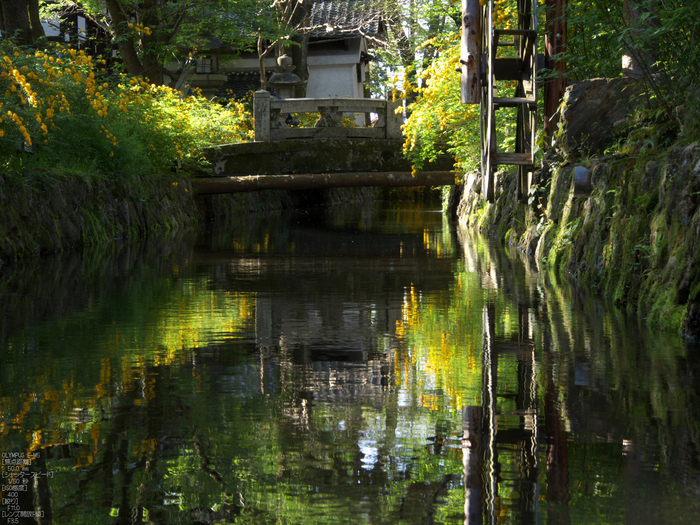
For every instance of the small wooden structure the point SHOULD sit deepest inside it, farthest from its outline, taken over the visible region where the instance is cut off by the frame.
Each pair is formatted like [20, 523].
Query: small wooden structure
[270, 123]
[482, 66]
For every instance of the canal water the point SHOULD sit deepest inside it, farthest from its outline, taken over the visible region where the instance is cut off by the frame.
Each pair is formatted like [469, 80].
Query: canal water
[364, 365]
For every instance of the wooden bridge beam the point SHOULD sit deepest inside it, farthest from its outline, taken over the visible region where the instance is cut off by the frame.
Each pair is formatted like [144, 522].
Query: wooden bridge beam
[305, 181]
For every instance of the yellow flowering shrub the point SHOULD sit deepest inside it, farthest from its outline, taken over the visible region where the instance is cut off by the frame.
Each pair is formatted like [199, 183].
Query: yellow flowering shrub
[437, 122]
[66, 108]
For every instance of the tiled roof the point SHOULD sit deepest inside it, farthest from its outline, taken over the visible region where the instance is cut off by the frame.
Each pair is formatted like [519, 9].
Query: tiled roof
[239, 83]
[334, 18]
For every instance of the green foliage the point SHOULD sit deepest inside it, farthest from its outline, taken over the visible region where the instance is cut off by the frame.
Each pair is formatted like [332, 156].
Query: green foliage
[151, 33]
[438, 122]
[62, 112]
[662, 39]
[660, 36]
[410, 48]
[593, 44]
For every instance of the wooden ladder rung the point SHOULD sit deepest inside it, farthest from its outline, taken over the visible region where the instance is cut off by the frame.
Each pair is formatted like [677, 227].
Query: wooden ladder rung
[514, 159]
[529, 34]
[516, 32]
[513, 102]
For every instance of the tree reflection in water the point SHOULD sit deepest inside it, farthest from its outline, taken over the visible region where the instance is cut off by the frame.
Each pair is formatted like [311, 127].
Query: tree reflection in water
[377, 367]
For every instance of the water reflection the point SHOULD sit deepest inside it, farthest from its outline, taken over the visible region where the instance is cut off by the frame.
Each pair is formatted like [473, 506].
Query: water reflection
[366, 366]
[607, 439]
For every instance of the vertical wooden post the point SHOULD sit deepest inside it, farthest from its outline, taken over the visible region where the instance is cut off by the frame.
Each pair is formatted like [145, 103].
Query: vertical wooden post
[393, 120]
[470, 55]
[555, 43]
[630, 66]
[527, 405]
[472, 460]
[557, 450]
[489, 384]
[261, 115]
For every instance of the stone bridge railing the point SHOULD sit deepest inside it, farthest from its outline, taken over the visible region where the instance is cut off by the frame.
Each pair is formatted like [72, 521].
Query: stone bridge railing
[270, 115]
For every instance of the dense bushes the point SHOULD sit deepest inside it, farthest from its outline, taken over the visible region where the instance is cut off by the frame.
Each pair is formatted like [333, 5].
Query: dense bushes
[62, 112]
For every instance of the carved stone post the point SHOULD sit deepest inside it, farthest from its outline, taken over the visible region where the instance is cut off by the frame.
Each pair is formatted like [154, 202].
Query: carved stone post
[393, 120]
[261, 115]
[470, 55]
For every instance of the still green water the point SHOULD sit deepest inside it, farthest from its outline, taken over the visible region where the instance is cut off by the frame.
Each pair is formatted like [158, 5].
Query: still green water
[355, 366]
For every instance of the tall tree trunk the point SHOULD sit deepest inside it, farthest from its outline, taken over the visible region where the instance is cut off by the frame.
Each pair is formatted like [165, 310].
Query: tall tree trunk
[300, 58]
[152, 63]
[262, 55]
[153, 70]
[637, 60]
[127, 48]
[15, 14]
[36, 29]
[555, 40]
[300, 52]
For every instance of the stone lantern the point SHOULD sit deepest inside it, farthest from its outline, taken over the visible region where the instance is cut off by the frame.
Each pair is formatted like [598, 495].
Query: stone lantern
[284, 81]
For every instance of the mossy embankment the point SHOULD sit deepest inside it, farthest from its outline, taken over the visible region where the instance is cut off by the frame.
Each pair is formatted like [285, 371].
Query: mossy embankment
[48, 214]
[634, 238]
[43, 214]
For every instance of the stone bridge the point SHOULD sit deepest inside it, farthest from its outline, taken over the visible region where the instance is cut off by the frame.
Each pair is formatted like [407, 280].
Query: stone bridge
[340, 150]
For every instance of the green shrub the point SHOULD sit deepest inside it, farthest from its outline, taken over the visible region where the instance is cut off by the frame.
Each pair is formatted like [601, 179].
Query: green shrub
[62, 112]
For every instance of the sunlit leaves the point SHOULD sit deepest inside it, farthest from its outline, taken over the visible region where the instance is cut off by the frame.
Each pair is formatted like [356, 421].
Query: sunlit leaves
[63, 99]
[438, 122]
[660, 36]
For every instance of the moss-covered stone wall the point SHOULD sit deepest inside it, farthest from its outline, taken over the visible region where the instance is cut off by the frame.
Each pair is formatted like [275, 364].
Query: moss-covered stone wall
[48, 214]
[39, 215]
[635, 237]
